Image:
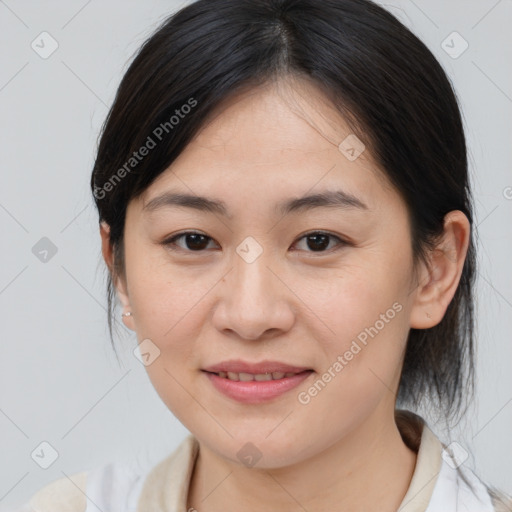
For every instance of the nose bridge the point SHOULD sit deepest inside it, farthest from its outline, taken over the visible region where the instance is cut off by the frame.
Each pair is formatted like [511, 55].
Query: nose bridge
[253, 300]
[252, 287]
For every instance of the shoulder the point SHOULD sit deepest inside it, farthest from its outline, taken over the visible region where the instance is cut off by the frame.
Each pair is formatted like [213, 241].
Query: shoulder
[118, 485]
[66, 493]
[500, 501]
[441, 481]
[470, 491]
[111, 486]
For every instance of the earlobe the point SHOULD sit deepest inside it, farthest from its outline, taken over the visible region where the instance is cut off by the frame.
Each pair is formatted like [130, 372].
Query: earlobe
[439, 283]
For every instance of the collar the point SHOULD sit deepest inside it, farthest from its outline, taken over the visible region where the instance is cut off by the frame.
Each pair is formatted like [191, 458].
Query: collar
[417, 436]
[166, 485]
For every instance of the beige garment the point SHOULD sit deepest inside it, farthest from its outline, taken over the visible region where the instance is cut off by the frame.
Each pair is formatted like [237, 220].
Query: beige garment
[62, 495]
[166, 486]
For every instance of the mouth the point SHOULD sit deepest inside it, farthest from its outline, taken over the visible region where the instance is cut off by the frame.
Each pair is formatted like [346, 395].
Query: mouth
[255, 383]
[260, 377]
[262, 369]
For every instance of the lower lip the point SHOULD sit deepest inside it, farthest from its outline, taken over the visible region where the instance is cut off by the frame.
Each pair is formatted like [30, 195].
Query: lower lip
[255, 392]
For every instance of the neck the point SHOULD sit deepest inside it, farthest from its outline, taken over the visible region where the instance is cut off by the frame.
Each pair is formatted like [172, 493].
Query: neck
[371, 468]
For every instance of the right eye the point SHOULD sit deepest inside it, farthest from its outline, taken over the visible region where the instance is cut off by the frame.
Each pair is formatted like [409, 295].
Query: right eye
[193, 241]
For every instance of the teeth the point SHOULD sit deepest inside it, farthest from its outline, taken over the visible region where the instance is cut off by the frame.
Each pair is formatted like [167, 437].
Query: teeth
[263, 376]
[247, 377]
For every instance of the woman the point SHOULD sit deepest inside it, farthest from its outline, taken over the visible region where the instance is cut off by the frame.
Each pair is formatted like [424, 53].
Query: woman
[286, 216]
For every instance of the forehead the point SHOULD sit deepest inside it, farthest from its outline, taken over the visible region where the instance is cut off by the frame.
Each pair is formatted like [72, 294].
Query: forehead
[280, 139]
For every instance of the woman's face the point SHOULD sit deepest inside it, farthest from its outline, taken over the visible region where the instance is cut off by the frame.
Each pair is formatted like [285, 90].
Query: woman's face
[255, 288]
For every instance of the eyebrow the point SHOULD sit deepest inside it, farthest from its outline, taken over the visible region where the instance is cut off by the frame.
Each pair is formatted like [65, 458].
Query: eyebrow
[329, 198]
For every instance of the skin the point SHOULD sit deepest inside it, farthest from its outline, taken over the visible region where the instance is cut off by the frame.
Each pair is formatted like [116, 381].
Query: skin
[342, 450]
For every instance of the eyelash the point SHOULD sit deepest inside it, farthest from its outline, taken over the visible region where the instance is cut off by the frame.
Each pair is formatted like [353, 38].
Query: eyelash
[171, 245]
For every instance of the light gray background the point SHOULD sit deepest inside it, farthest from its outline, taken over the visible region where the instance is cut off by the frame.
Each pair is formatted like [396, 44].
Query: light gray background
[60, 381]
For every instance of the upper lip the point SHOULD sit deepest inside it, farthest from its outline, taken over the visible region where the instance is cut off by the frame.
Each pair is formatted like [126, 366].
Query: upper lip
[239, 366]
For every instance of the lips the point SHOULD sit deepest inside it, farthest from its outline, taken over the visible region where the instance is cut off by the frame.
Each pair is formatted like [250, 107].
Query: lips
[255, 383]
[247, 377]
[262, 369]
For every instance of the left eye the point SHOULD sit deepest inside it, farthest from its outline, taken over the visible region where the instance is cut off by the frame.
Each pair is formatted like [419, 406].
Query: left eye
[316, 241]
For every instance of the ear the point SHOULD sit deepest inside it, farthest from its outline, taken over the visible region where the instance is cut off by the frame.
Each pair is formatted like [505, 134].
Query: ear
[438, 285]
[119, 284]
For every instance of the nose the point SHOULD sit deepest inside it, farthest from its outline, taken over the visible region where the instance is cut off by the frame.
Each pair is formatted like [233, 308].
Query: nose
[254, 302]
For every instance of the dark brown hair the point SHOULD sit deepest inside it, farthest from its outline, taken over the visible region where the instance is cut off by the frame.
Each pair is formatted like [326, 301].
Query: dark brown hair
[381, 78]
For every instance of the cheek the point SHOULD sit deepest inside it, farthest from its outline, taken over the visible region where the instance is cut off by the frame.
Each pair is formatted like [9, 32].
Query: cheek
[170, 311]
[164, 298]
[354, 298]
[365, 325]
[361, 359]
